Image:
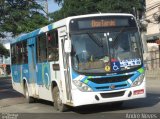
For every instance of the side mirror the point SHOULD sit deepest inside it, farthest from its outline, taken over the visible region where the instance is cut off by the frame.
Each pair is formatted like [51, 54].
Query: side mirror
[67, 46]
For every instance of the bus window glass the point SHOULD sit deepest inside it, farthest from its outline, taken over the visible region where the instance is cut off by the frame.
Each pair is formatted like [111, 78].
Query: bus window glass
[42, 50]
[25, 52]
[13, 54]
[19, 55]
[52, 37]
[98, 50]
[125, 45]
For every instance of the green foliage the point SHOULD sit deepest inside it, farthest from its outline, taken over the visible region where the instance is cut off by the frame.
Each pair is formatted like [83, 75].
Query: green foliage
[58, 1]
[3, 50]
[20, 16]
[79, 7]
[121, 6]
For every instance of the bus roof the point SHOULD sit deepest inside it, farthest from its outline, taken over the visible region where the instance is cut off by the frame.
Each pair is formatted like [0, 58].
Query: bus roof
[40, 30]
[100, 14]
[61, 23]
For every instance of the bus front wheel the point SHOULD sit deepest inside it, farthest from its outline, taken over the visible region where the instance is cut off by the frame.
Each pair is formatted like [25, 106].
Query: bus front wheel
[58, 105]
[26, 94]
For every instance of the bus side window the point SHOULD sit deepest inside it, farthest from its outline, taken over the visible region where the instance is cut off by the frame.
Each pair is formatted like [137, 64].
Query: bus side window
[13, 54]
[19, 55]
[25, 52]
[52, 37]
[41, 48]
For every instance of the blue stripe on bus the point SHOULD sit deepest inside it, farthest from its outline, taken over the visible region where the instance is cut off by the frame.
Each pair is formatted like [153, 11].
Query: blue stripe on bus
[19, 72]
[43, 74]
[33, 34]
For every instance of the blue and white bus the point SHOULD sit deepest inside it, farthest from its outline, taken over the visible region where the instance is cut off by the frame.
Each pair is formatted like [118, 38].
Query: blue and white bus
[81, 60]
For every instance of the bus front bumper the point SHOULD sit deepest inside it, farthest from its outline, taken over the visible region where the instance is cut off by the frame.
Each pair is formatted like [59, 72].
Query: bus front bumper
[85, 98]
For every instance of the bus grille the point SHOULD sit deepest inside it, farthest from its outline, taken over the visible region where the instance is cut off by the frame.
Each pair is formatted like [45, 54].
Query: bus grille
[114, 94]
[113, 79]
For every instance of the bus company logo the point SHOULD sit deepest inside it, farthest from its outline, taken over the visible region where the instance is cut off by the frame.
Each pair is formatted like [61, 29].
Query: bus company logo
[112, 87]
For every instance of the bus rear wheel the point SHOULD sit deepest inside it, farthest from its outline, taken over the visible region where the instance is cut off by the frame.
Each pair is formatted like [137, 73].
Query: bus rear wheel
[58, 105]
[26, 94]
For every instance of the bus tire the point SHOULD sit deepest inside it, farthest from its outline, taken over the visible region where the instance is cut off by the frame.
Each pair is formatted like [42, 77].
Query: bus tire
[58, 105]
[26, 94]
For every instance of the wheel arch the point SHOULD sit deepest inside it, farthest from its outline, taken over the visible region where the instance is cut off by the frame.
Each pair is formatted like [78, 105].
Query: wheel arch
[54, 84]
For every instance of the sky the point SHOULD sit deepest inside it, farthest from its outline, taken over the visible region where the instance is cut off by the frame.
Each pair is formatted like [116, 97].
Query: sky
[52, 6]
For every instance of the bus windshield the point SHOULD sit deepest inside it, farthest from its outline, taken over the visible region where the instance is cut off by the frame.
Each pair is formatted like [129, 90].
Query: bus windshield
[107, 50]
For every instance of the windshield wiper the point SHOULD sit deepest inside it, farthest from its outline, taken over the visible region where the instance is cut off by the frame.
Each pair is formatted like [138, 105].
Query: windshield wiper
[116, 37]
[99, 43]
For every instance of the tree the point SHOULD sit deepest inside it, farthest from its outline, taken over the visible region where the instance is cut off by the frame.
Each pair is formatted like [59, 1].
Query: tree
[59, 2]
[79, 7]
[20, 16]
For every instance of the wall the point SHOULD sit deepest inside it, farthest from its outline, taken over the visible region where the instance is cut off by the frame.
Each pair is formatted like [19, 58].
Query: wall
[152, 7]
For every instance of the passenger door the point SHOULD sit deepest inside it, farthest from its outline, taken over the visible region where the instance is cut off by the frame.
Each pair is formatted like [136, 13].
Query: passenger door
[65, 67]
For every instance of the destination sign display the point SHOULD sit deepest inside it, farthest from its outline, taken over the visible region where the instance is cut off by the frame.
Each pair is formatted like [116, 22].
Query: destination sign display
[101, 22]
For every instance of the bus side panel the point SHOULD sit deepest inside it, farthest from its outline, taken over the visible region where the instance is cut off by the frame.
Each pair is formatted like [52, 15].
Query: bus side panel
[19, 73]
[16, 73]
[25, 73]
[43, 74]
[44, 81]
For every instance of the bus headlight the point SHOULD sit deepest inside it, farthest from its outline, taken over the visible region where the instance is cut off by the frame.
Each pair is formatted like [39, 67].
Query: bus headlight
[82, 86]
[138, 81]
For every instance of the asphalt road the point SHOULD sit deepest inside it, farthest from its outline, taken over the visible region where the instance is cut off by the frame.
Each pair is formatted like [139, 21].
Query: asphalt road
[13, 105]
